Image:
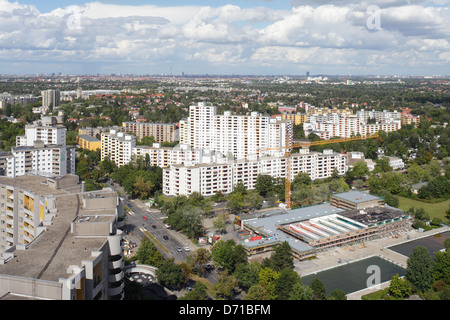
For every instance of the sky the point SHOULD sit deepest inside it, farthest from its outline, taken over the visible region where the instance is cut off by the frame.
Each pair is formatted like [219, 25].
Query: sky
[245, 37]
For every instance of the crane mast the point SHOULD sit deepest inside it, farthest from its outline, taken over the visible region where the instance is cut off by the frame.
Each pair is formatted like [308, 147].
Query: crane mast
[307, 144]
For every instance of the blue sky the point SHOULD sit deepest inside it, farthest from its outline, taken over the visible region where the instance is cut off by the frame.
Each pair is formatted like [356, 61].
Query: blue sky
[47, 6]
[400, 37]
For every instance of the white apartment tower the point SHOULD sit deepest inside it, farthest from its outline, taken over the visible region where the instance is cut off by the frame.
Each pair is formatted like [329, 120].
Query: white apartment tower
[41, 151]
[118, 146]
[50, 97]
[48, 129]
[243, 136]
[209, 178]
[345, 126]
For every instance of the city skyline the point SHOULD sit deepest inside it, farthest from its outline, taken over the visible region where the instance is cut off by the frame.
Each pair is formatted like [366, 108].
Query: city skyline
[251, 37]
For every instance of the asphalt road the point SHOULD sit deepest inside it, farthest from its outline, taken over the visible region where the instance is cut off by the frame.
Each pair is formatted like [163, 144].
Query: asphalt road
[153, 223]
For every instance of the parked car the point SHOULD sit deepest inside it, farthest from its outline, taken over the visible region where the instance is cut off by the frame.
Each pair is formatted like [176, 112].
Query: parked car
[187, 248]
[166, 238]
[179, 249]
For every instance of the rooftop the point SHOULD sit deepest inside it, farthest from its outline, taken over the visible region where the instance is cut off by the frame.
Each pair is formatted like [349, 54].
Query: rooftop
[355, 196]
[375, 215]
[88, 138]
[50, 254]
[268, 224]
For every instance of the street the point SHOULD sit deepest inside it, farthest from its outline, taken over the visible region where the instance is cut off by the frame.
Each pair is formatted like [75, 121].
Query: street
[141, 219]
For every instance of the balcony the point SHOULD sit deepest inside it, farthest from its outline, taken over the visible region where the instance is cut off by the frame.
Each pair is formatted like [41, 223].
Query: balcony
[115, 275]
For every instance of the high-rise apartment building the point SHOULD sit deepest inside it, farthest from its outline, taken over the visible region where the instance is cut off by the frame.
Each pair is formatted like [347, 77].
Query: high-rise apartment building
[58, 242]
[41, 151]
[209, 178]
[48, 129]
[118, 146]
[345, 126]
[50, 97]
[162, 132]
[242, 136]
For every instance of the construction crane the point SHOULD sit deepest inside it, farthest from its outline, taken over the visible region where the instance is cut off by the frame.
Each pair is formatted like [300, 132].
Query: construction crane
[307, 144]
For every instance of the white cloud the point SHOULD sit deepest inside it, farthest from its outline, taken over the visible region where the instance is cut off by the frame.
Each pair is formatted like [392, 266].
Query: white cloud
[333, 34]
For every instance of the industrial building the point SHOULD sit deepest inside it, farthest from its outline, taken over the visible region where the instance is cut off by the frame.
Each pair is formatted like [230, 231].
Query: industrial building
[321, 227]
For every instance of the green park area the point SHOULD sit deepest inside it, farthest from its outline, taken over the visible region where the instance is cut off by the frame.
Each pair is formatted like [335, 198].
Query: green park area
[435, 210]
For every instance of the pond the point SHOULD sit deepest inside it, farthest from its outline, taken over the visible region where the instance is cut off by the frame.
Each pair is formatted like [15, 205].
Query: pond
[354, 276]
[432, 243]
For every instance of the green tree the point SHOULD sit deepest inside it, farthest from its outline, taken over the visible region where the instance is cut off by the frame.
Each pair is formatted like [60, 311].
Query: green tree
[441, 270]
[337, 294]
[198, 260]
[199, 293]
[247, 274]
[419, 271]
[301, 292]
[267, 279]
[236, 202]
[359, 170]
[254, 200]
[399, 288]
[148, 254]
[226, 285]
[143, 188]
[280, 258]
[170, 275]
[284, 284]
[382, 165]
[257, 292]
[301, 180]
[264, 184]
[220, 224]
[146, 141]
[318, 289]
[227, 254]
[415, 174]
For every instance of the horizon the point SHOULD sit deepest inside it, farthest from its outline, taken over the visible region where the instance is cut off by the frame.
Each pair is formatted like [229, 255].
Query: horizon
[226, 37]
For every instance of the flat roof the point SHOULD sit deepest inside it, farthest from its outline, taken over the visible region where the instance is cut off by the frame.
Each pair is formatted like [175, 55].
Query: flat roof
[50, 254]
[268, 225]
[88, 138]
[33, 183]
[355, 196]
[370, 216]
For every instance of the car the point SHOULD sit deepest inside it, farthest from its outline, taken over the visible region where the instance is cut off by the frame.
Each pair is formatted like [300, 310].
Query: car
[153, 226]
[145, 217]
[179, 249]
[166, 238]
[187, 248]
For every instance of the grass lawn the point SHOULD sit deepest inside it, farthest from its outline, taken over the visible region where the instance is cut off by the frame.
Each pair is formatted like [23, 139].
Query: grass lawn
[433, 209]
